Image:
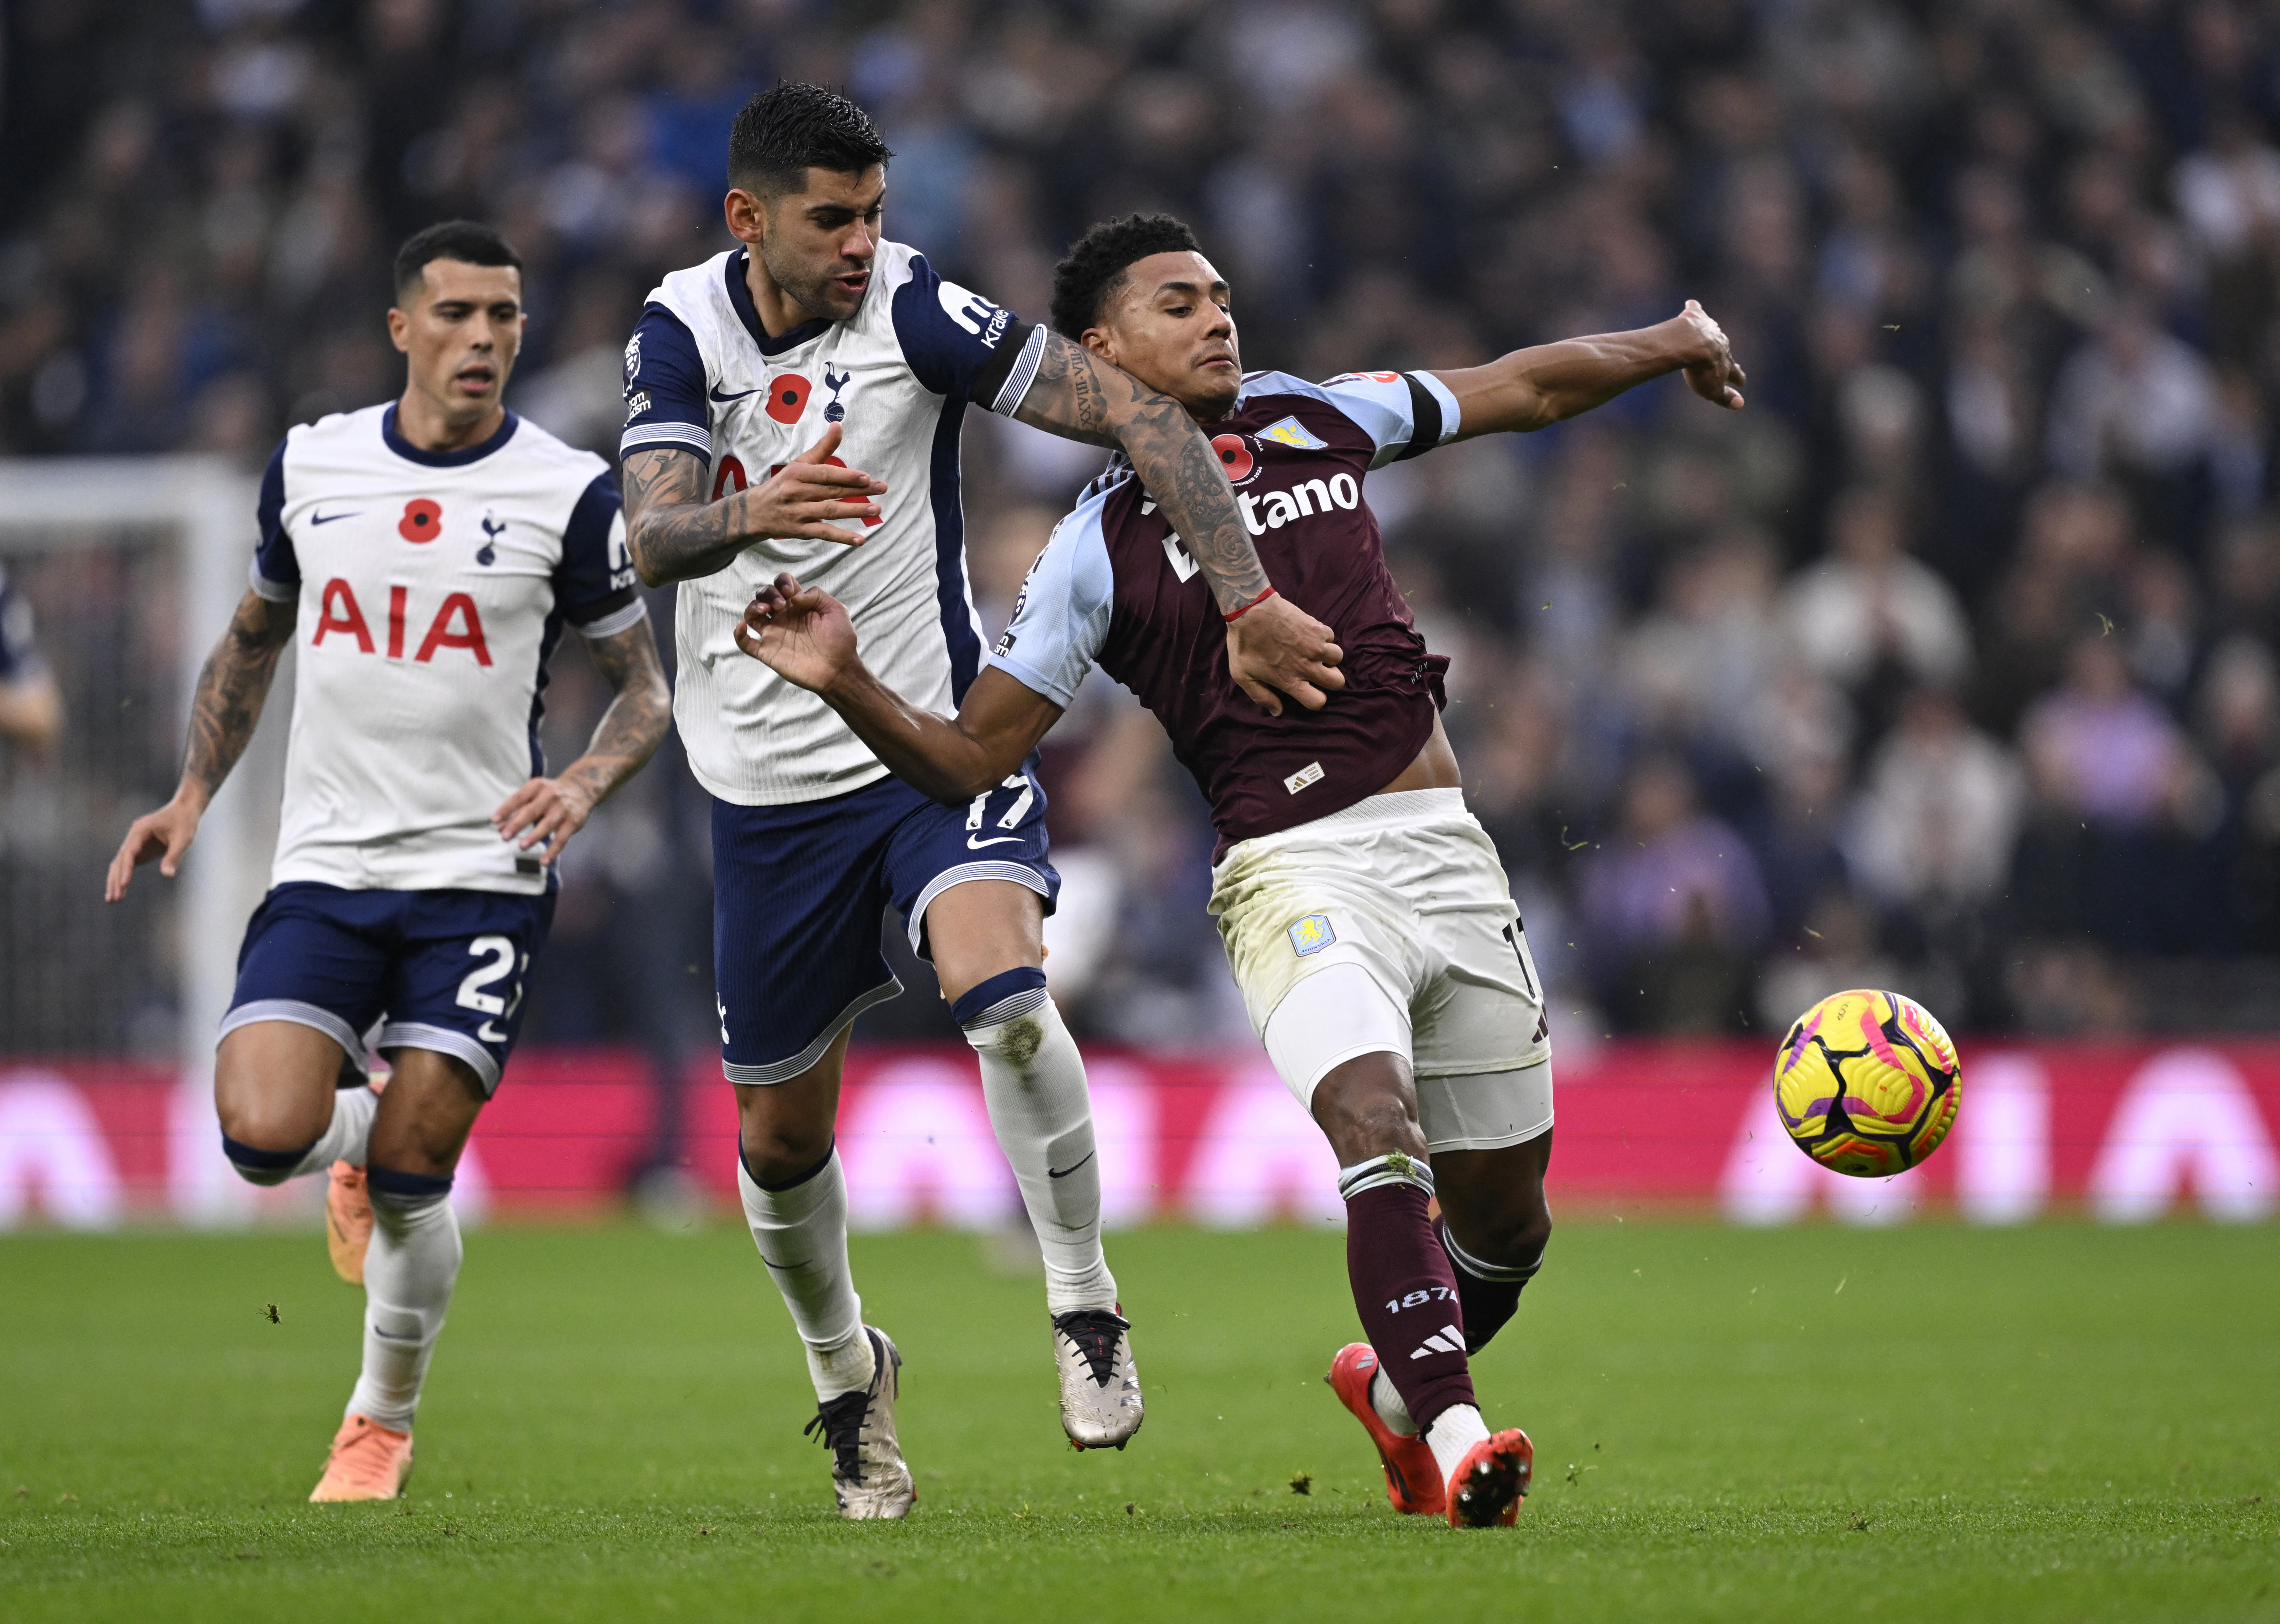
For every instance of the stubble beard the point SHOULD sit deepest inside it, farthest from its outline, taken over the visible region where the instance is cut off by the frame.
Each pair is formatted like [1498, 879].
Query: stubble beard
[1218, 405]
[813, 294]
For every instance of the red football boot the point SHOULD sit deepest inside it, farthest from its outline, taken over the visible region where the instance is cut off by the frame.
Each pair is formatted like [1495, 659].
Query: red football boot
[1486, 1489]
[1412, 1477]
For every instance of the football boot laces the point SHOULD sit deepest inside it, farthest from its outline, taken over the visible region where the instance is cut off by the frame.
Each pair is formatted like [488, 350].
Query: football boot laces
[840, 1421]
[1093, 1332]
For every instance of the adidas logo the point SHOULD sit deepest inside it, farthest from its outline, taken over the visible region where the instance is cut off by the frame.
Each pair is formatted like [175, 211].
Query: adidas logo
[1448, 1339]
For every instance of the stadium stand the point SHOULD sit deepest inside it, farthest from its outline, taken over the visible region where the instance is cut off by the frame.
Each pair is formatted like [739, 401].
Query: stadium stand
[1950, 664]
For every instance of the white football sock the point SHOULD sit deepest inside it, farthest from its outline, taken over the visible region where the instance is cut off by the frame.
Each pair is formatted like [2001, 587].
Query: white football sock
[408, 1276]
[1454, 1431]
[802, 1235]
[345, 1136]
[1387, 1403]
[1033, 1083]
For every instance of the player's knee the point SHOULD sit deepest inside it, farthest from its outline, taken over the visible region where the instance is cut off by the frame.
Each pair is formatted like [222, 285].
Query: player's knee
[1006, 1017]
[1368, 1113]
[781, 1155]
[419, 1146]
[265, 1140]
[1384, 1123]
[1525, 1242]
[1515, 1237]
[257, 1165]
[400, 1199]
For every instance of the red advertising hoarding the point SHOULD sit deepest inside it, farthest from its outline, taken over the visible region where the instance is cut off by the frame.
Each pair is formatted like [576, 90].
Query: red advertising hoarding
[2125, 1131]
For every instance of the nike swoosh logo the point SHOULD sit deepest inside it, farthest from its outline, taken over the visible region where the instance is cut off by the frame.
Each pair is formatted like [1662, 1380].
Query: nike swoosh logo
[326, 518]
[975, 844]
[1064, 1172]
[739, 394]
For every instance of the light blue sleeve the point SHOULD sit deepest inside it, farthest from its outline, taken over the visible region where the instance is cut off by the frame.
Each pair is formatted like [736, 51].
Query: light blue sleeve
[1060, 620]
[1404, 413]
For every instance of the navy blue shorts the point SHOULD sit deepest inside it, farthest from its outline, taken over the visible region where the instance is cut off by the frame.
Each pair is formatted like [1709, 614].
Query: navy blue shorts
[797, 893]
[447, 968]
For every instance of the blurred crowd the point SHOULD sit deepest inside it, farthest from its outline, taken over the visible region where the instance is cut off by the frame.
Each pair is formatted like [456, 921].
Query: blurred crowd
[1948, 665]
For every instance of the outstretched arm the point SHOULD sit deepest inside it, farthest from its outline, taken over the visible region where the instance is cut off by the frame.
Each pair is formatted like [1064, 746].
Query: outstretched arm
[804, 635]
[232, 685]
[547, 812]
[1546, 383]
[676, 533]
[1273, 643]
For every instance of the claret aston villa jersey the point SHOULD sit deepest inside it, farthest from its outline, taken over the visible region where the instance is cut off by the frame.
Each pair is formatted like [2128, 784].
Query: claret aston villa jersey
[1115, 586]
[432, 587]
[702, 374]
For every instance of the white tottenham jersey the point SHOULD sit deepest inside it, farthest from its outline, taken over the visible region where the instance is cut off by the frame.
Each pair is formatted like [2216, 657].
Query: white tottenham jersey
[433, 586]
[702, 374]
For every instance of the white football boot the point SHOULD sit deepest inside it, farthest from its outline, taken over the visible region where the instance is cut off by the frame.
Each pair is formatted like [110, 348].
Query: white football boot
[1100, 1385]
[869, 1474]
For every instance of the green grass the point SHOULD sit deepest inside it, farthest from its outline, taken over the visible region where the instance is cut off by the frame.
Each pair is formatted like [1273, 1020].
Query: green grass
[2060, 1422]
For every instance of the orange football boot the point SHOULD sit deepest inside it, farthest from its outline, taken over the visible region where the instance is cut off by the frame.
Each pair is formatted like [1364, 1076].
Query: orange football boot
[1412, 1477]
[348, 1220]
[1486, 1489]
[368, 1462]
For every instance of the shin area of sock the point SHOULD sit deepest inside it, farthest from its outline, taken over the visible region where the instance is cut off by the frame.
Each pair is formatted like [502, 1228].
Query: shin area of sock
[1491, 1294]
[1405, 1292]
[801, 1230]
[409, 1273]
[1033, 1083]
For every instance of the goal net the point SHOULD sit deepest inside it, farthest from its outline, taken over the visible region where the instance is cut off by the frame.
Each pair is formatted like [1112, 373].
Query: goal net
[132, 566]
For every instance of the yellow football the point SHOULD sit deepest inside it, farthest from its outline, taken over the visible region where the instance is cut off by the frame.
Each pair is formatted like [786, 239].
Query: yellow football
[1867, 1083]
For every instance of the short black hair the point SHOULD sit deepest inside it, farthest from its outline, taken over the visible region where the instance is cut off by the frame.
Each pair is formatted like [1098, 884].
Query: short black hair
[783, 132]
[1098, 260]
[467, 241]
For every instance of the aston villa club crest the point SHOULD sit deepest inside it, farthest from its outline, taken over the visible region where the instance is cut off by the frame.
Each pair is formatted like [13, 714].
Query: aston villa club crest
[1290, 432]
[1311, 934]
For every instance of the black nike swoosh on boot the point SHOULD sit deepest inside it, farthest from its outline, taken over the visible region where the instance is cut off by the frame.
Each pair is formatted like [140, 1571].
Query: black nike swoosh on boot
[1064, 1172]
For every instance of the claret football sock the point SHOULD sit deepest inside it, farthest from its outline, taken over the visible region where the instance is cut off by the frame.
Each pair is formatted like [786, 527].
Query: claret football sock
[343, 1140]
[801, 1229]
[1489, 1292]
[1033, 1083]
[408, 1276]
[1403, 1287]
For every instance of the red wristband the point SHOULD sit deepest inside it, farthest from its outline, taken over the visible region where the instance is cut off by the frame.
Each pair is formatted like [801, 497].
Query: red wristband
[1241, 610]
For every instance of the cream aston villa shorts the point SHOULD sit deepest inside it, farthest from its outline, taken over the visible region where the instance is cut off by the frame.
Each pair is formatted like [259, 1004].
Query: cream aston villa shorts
[1390, 925]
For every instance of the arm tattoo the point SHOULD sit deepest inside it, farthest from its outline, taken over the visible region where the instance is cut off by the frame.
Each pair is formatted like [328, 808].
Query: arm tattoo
[672, 532]
[1082, 398]
[232, 685]
[634, 725]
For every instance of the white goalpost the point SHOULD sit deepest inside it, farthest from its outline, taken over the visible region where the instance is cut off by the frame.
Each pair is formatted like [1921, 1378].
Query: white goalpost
[198, 510]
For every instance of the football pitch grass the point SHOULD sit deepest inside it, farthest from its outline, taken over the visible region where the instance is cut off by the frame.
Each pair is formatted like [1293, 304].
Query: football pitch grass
[1930, 1421]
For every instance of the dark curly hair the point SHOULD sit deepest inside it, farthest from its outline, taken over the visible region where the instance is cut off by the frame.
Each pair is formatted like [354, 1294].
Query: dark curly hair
[1096, 262]
[783, 132]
